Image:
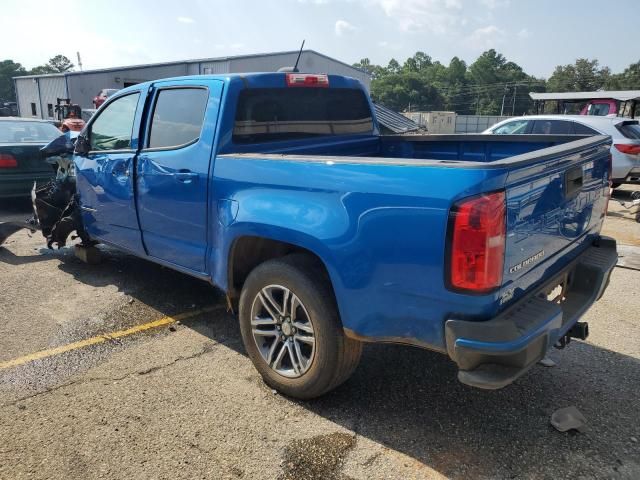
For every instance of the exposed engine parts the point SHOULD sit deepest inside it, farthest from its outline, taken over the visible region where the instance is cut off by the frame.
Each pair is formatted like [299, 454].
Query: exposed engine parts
[57, 212]
[55, 204]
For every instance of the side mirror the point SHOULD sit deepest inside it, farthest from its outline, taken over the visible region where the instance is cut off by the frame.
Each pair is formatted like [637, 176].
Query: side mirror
[83, 147]
[59, 146]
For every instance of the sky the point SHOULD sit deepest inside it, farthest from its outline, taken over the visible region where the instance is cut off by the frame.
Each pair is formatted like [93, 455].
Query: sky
[537, 35]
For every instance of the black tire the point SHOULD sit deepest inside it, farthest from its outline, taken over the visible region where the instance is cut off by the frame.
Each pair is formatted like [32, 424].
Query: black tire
[336, 356]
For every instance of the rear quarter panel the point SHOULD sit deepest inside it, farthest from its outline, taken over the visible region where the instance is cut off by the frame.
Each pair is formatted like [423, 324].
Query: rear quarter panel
[379, 228]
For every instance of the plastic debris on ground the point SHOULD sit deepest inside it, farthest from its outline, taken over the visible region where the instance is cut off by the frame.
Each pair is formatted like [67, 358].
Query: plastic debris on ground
[568, 418]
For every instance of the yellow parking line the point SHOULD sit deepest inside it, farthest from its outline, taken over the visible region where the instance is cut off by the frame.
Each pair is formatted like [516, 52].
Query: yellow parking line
[102, 338]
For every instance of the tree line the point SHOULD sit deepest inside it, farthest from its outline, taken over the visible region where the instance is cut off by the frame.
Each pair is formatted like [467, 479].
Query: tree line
[10, 69]
[491, 85]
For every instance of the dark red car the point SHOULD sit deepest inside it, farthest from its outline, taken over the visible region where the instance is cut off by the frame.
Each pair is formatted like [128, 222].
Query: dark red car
[103, 95]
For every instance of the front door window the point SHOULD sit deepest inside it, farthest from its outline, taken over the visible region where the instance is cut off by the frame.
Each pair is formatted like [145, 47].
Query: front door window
[112, 129]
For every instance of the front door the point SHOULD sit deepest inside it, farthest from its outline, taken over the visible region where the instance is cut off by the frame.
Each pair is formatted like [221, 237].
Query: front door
[173, 171]
[105, 175]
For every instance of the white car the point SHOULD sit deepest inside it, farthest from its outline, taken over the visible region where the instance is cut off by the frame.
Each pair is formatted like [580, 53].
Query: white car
[624, 132]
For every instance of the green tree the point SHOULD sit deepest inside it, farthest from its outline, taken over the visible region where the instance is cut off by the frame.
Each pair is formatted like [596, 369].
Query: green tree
[57, 64]
[60, 64]
[394, 66]
[629, 79]
[373, 70]
[455, 87]
[492, 78]
[420, 62]
[9, 69]
[406, 90]
[457, 70]
[582, 76]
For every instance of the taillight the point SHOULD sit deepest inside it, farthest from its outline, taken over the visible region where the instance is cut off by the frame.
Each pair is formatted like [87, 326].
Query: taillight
[477, 233]
[7, 161]
[307, 80]
[628, 149]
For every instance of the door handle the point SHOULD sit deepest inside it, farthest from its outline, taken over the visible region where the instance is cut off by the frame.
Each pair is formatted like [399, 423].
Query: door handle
[117, 172]
[185, 176]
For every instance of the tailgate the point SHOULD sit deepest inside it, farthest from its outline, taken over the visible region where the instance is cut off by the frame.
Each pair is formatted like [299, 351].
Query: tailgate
[27, 157]
[555, 206]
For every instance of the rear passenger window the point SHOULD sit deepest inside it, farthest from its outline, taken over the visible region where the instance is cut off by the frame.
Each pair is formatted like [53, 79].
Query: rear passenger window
[177, 117]
[581, 129]
[512, 128]
[551, 127]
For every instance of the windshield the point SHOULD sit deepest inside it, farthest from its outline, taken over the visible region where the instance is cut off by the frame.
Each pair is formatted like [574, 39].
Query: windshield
[272, 114]
[599, 109]
[27, 132]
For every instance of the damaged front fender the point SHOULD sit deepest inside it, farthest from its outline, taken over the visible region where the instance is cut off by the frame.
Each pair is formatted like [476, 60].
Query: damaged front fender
[57, 211]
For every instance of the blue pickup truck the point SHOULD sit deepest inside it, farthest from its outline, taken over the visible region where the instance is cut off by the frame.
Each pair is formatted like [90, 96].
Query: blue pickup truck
[278, 189]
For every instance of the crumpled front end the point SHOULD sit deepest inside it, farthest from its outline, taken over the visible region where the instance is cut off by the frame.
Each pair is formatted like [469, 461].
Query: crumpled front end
[56, 211]
[55, 204]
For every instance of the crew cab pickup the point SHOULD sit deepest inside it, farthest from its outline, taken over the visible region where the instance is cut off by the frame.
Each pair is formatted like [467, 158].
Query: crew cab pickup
[278, 189]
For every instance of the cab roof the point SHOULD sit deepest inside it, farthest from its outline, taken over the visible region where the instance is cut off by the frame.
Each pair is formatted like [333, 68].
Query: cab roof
[254, 80]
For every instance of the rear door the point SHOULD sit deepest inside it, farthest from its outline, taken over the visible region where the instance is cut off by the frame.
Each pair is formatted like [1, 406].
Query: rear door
[105, 175]
[173, 171]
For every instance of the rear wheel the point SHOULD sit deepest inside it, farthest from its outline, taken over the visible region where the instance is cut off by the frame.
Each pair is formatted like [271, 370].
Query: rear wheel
[291, 328]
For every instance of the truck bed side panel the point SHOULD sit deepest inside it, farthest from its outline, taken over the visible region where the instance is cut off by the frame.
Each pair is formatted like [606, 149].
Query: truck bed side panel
[379, 229]
[380, 226]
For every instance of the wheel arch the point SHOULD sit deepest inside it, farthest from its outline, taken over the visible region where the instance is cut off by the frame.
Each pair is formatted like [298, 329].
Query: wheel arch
[248, 251]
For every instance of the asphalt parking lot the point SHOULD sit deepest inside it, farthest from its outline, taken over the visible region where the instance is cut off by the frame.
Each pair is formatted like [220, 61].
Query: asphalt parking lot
[181, 399]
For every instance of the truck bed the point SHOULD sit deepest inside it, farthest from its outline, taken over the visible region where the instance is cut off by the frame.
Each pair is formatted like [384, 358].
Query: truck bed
[378, 209]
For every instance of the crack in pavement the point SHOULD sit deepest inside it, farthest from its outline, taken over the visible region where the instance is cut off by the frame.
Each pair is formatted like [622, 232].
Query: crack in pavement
[206, 349]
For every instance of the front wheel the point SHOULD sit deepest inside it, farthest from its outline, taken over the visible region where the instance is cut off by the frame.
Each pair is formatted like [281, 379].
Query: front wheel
[291, 328]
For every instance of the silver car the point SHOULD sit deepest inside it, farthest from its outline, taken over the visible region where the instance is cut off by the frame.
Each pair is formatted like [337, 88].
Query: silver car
[624, 132]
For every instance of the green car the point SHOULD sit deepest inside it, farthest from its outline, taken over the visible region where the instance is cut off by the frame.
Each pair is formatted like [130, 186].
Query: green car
[20, 160]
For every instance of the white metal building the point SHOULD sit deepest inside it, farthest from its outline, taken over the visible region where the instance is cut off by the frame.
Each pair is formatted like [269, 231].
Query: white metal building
[37, 94]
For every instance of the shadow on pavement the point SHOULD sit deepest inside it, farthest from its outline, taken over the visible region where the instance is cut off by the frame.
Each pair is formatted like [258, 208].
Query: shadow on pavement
[410, 401]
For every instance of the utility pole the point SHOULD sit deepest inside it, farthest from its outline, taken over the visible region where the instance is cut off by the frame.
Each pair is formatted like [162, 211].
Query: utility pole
[506, 89]
[79, 61]
[513, 109]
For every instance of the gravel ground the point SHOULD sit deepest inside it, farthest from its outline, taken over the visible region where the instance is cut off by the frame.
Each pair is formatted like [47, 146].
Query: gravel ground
[185, 402]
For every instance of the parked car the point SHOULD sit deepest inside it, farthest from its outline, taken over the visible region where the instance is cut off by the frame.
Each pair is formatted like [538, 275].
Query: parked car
[625, 134]
[8, 109]
[20, 161]
[278, 189]
[102, 96]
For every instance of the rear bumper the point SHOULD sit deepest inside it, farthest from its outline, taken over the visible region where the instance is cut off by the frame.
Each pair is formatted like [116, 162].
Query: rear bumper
[632, 177]
[493, 353]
